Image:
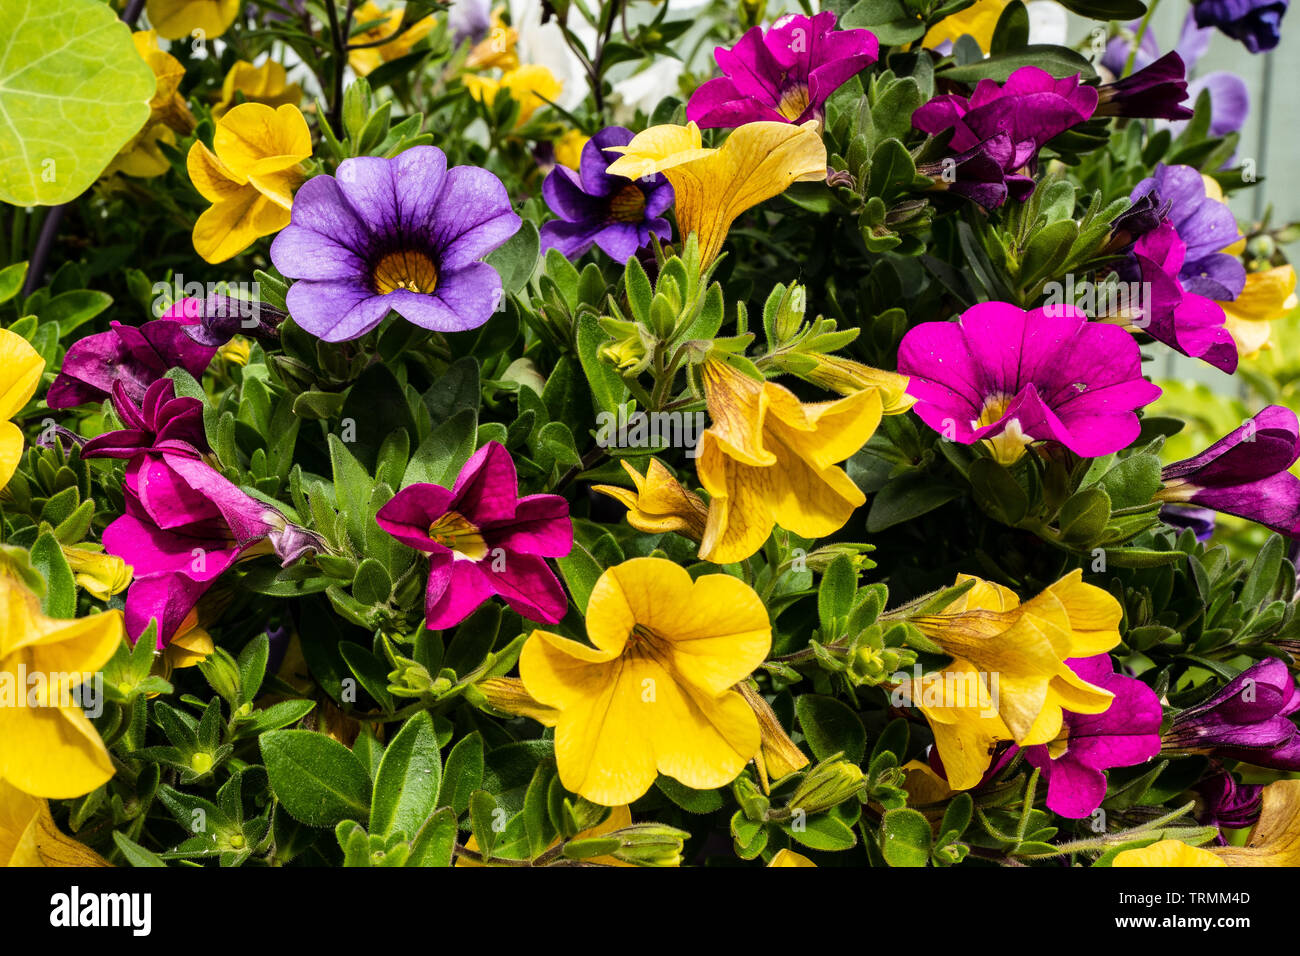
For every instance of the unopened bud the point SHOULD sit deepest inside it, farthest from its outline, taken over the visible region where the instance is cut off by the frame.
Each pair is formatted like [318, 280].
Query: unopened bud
[650, 844]
[828, 785]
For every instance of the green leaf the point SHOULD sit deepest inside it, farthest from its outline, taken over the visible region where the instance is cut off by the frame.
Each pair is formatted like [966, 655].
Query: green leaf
[135, 854]
[1056, 60]
[831, 727]
[463, 773]
[905, 838]
[907, 497]
[580, 572]
[483, 816]
[516, 259]
[316, 779]
[60, 598]
[409, 777]
[73, 91]
[435, 844]
[11, 280]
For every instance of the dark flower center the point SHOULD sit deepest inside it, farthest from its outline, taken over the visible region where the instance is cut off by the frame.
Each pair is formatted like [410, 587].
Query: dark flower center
[794, 100]
[408, 269]
[628, 204]
[453, 530]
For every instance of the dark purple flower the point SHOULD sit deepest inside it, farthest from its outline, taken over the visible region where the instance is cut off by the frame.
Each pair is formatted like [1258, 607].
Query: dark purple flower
[1029, 109]
[219, 318]
[1144, 216]
[613, 212]
[1200, 521]
[783, 76]
[1154, 92]
[1226, 803]
[1246, 720]
[979, 174]
[402, 234]
[134, 356]
[1125, 734]
[1256, 23]
[1245, 473]
[161, 418]
[482, 539]
[1206, 225]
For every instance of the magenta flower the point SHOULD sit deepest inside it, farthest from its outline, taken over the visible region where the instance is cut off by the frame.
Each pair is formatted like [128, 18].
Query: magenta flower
[613, 212]
[1248, 720]
[1156, 91]
[1125, 734]
[184, 526]
[1029, 109]
[162, 418]
[402, 235]
[134, 356]
[1010, 377]
[1186, 322]
[785, 76]
[1245, 473]
[482, 539]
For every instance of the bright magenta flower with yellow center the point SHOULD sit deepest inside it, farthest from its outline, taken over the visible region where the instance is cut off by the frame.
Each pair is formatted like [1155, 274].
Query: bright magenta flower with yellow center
[655, 694]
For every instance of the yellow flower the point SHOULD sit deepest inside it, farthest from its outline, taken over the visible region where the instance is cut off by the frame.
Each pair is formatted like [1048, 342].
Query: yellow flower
[1275, 840]
[789, 858]
[174, 19]
[1167, 853]
[769, 459]
[191, 645]
[47, 746]
[365, 60]
[102, 575]
[167, 105]
[508, 695]
[531, 86]
[568, 148]
[714, 186]
[619, 817]
[142, 157]
[249, 179]
[992, 637]
[1268, 295]
[497, 49]
[237, 351]
[267, 84]
[847, 376]
[21, 368]
[655, 694]
[659, 504]
[28, 836]
[976, 21]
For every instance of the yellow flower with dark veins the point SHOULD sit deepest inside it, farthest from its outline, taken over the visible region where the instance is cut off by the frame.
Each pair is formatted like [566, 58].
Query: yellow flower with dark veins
[656, 692]
[714, 186]
[769, 459]
[386, 24]
[47, 746]
[195, 19]
[249, 176]
[29, 837]
[659, 504]
[1269, 295]
[21, 367]
[268, 84]
[532, 86]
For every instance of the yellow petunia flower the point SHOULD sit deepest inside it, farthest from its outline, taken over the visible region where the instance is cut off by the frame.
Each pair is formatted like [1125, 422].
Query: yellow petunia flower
[47, 746]
[365, 60]
[531, 86]
[659, 504]
[29, 837]
[169, 114]
[568, 148]
[497, 49]
[174, 19]
[1269, 295]
[655, 694]
[789, 858]
[976, 21]
[191, 645]
[1167, 853]
[266, 84]
[102, 575]
[992, 636]
[1275, 840]
[714, 186]
[249, 177]
[769, 459]
[21, 367]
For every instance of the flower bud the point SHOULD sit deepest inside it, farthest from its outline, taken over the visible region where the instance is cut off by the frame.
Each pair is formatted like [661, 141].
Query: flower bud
[650, 844]
[828, 785]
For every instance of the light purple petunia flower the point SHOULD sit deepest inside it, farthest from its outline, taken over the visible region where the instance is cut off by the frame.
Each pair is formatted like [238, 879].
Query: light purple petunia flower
[1125, 734]
[133, 356]
[783, 76]
[1245, 473]
[613, 212]
[1248, 720]
[1011, 377]
[1205, 224]
[402, 234]
[1257, 24]
[161, 419]
[482, 539]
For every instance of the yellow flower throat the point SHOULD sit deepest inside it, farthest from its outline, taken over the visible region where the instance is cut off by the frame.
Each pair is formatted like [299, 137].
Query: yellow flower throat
[455, 531]
[407, 269]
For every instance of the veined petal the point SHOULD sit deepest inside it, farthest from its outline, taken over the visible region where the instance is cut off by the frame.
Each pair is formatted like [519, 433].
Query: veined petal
[51, 752]
[21, 367]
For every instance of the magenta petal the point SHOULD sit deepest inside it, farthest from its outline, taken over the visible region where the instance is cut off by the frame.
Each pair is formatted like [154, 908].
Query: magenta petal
[541, 526]
[529, 587]
[487, 487]
[408, 515]
[455, 590]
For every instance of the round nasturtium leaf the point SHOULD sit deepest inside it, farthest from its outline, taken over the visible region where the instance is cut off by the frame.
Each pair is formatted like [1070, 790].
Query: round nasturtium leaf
[73, 92]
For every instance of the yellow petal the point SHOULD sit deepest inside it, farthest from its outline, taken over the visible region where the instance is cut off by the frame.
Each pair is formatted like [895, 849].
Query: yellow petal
[1167, 853]
[789, 858]
[1275, 840]
[963, 718]
[51, 752]
[976, 21]
[29, 837]
[20, 373]
[227, 228]
[214, 181]
[254, 138]
[11, 451]
[174, 19]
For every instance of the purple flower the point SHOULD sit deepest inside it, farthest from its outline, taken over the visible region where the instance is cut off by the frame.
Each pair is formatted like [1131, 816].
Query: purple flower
[184, 526]
[219, 318]
[1125, 734]
[1186, 322]
[1205, 224]
[402, 234]
[1011, 377]
[1029, 109]
[1226, 803]
[785, 76]
[135, 357]
[1246, 720]
[615, 213]
[1200, 521]
[162, 418]
[1256, 23]
[979, 174]
[1153, 92]
[1245, 473]
[482, 539]
[1144, 216]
